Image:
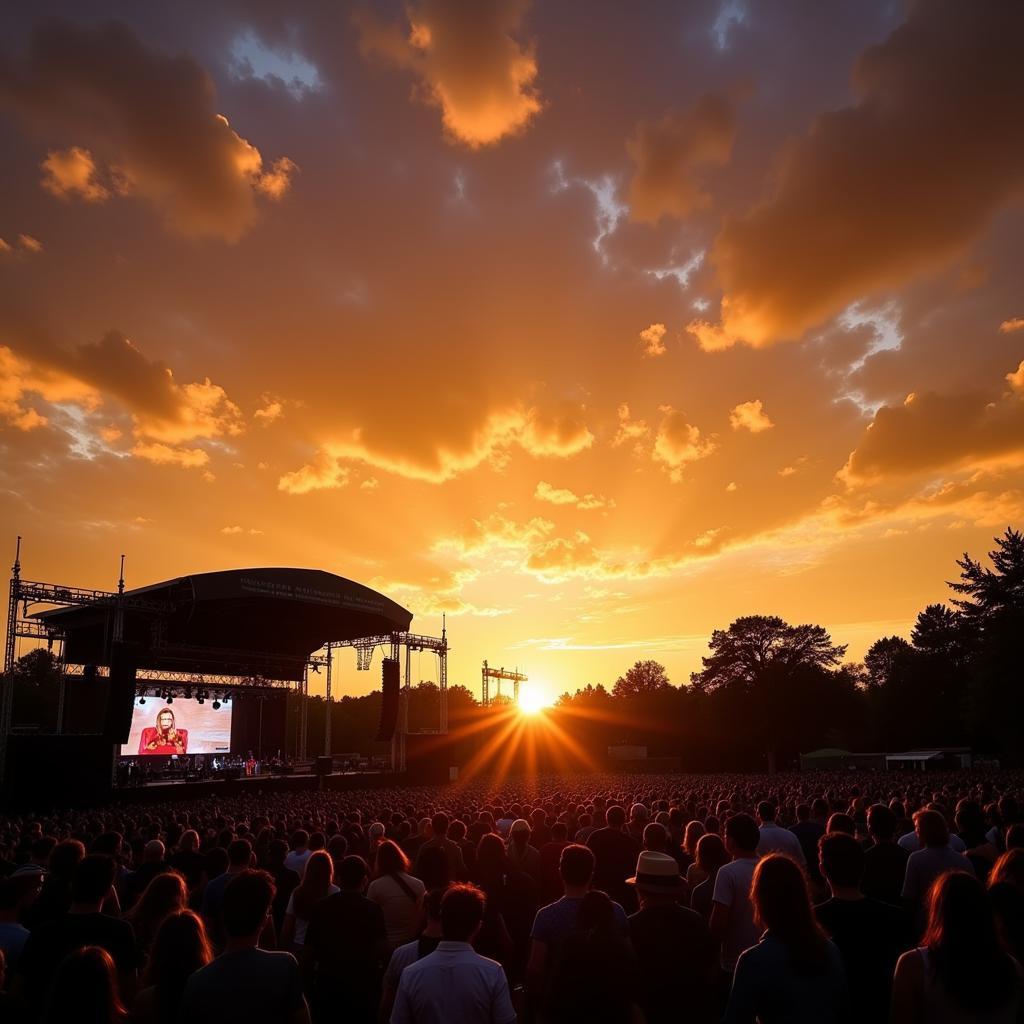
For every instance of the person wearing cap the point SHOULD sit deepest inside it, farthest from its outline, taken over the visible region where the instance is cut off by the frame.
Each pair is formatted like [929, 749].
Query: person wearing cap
[674, 947]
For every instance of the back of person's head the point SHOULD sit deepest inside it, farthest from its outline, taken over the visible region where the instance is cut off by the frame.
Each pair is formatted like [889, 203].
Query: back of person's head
[803, 812]
[782, 905]
[93, 879]
[615, 816]
[741, 830]
[439, 824]
[1015, 836]
[842, 859]
[596, 913]
[576, 865]
[240, 853]
[247, 899]
[819, 807]
[432, 903]
[337, 847]
[841, 822]
[433, 867]
[462, 910]
[181, 947]
[766, 810]
[457, 830]
[300, 839]
[655, 837]
[1009, 868]
[351, 873]
[490, 853]
[153, 852]
[963, 941]
[711, 853]
[931, 828]
[84, 990]
[64, 858]
[277, 850]
[881, 822]
[390, 858]
[165, 892]
[42, 848]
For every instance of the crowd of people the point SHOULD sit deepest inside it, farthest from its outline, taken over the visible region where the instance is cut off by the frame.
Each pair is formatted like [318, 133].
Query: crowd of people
[601, 898]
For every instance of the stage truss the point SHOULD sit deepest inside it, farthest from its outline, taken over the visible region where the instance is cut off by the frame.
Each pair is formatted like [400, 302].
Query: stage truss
[243, 671]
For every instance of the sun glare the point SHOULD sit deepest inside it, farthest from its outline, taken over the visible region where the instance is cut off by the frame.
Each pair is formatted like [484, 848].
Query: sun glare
[530, 701]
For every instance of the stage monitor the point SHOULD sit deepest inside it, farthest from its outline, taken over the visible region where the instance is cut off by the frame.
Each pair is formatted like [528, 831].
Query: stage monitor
[184, 727]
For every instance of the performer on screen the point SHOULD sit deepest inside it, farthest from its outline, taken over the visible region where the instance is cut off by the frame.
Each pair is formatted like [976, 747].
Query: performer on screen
[164, 738]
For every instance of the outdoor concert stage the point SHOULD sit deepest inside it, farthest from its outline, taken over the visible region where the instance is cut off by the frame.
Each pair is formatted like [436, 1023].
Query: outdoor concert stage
[188, 665]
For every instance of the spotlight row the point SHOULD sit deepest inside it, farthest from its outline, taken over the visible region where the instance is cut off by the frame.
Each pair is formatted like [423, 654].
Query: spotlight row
[201, 696]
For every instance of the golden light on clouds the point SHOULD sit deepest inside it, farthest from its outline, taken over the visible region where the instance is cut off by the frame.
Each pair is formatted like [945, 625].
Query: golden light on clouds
[590, 352]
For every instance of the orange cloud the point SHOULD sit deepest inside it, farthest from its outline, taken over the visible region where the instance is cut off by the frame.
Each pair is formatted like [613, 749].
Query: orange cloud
[151, 118]
[165, 455]
[563, 496]
[931, 430]
[468, 63]
[1015, 378]
[653, 339]
[72, 172]
[20, 380]
[668, 153]
[559, 432]
[750, 416]
[678, 443]
[1009, 326]
[859, 205]
[324, 473]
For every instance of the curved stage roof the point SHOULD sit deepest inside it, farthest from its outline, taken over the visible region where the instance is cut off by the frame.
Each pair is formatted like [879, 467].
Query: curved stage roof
[239, 622]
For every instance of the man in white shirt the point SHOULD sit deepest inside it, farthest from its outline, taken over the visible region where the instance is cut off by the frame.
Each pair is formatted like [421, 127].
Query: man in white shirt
[454, 983]
[774, 838]
[732, 914]
[299, 853]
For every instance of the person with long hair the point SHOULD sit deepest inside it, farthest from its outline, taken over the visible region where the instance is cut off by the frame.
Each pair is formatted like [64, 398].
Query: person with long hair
[960, 974]
[711, 855]
[794, 974]
[85, 990]
[180, 948]
[398, 893]
[164, 895]
[1006, 891]
[316, 885]
[165, 737]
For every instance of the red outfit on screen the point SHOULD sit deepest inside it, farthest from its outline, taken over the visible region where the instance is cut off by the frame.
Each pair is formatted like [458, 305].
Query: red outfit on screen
[152, 735]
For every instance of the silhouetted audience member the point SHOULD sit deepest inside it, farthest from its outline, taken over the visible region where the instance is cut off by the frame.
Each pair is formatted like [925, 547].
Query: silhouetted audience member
[885, 861]
[935, 857]
[793, 973]
[246, 984]
[397, 892]
[869, 934]
[594, 977]
[615, 855]
[732, 913]
[675, 953]
[454, 983]
[346, 949]
[85, 990]
[960, 974]
[179, 949]
[83, 925]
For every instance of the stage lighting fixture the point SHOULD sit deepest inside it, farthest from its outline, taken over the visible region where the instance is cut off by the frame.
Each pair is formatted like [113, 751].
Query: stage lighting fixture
[142, 700]
[216, 705]
[201, 700]
[170, 699]
[188, 693]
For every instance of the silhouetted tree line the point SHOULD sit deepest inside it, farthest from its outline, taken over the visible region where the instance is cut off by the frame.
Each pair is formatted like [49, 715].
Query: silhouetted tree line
[766, 692]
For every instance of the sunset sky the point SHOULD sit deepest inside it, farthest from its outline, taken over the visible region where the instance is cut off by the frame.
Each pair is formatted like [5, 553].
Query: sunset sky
[594, 325]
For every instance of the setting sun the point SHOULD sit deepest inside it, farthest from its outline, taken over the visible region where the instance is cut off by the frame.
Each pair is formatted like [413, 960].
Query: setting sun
[531, 700]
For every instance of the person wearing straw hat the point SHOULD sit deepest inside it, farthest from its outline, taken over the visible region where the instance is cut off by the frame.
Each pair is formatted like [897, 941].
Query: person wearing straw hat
[676, 953]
